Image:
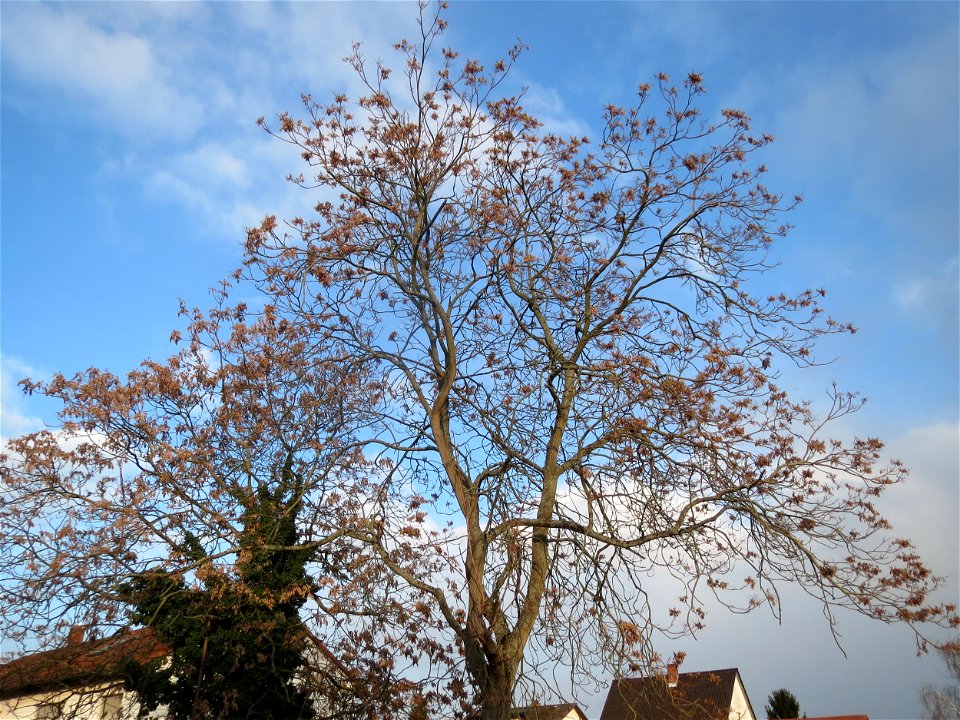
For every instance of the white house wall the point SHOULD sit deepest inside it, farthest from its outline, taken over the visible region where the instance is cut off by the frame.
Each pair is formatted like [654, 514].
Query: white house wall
[91, 703]
[739, 704]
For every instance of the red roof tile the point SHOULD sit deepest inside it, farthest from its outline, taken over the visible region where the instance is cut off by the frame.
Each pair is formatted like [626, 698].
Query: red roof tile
[697, 696]
[78, 664]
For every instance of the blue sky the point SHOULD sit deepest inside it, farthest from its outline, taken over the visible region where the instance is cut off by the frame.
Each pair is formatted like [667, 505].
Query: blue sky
[131, 163]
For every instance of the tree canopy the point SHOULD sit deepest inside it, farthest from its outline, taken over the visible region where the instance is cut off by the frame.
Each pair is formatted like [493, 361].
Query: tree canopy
[782, 704]
[494, 383]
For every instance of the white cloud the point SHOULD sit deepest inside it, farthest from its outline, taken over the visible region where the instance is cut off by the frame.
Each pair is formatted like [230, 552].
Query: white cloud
[546, 104]
[303, 44]
[116, 74]
[17, 411]
[885, 126]
[932, 298]
[206, 170]
[696, 33]
[15, 417]
[154, 72]
[926, 509]
[147, 16]
[227, 185]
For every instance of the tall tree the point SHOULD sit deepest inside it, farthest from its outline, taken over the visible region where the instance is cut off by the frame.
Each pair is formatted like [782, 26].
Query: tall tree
[518, 374]
[575, 367]
[782, 704]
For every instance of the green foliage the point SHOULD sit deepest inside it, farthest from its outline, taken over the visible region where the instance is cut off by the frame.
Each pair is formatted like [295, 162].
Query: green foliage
[782, 704]
[237, 642]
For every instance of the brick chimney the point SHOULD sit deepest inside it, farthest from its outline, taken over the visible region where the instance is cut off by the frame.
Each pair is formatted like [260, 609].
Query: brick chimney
[673, 674]
[75, 636]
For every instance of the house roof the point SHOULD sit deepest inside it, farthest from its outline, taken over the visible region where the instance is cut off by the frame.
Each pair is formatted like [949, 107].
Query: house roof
[546, 712]
[696, 696]
[78, 664]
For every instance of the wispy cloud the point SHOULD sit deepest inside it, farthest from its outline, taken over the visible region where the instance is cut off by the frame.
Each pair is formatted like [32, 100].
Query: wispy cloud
[881, 123]
[15, 418]
[925, 508]
[182, 109]
[546, 104]
[931, 298]
[115, 76]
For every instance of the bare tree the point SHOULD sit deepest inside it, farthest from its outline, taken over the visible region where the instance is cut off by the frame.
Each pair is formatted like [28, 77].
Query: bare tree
[943, 703]
[573, 365]
[544, 375]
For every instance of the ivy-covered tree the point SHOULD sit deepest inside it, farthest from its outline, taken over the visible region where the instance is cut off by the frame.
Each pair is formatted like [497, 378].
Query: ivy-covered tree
[236, 643]
[513, 375]
[782, 704]
[206, 497]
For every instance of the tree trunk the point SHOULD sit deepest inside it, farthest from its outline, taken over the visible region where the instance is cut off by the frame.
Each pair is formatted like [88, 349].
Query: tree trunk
[497, 698]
